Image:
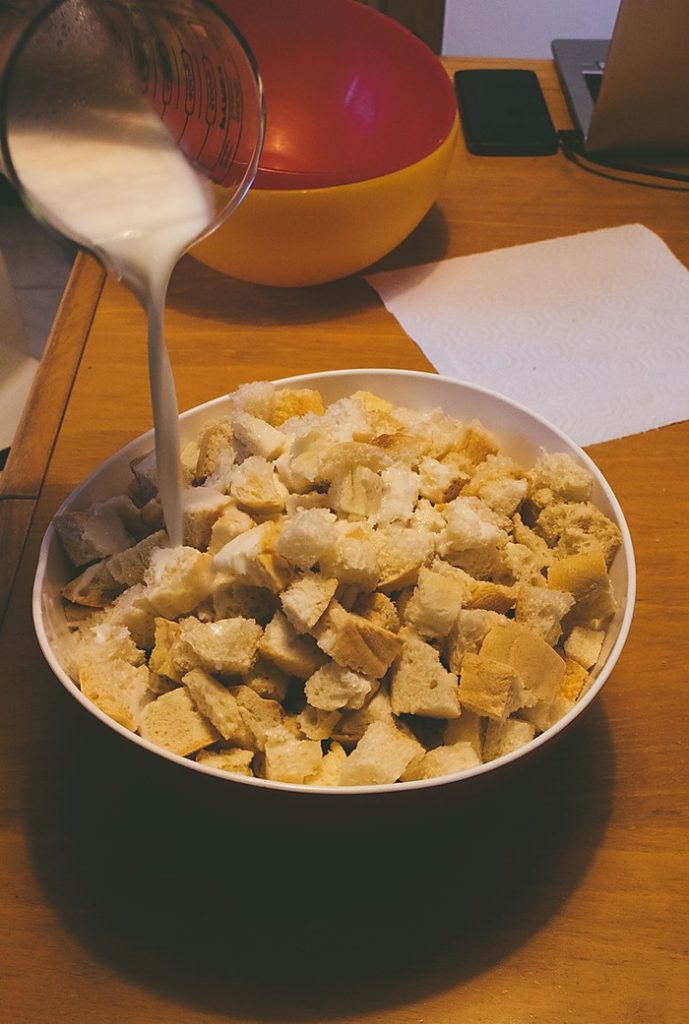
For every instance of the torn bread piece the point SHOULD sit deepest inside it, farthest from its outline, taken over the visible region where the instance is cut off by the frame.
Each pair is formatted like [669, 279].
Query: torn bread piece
[225, 646]
[356, 643]
[306, 598]
[233, 760]
[333, 688]
[381, 756]
[419, 684]
[220, 706]
[173, 721]
[177, 580]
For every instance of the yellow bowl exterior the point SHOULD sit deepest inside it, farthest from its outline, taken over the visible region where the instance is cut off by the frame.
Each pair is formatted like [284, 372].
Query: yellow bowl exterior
[296, 237]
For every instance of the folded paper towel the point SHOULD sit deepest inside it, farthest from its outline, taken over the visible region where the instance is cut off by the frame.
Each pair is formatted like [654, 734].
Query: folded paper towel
[591, 331]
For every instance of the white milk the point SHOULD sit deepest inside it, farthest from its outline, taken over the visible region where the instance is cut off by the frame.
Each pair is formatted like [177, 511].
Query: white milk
[124, 190]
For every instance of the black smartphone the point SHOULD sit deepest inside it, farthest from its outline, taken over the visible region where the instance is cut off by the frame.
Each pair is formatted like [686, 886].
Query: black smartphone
[504, 113]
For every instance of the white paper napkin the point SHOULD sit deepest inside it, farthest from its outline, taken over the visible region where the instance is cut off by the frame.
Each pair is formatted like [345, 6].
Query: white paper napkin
[591, 330]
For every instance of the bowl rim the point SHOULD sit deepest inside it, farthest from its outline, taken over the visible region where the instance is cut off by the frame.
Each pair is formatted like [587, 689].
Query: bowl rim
[311, 379]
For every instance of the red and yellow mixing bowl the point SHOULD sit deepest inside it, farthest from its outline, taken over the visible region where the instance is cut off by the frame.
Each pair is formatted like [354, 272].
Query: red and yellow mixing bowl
[361, 126]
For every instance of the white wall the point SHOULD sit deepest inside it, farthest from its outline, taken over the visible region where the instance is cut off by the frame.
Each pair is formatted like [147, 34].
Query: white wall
[522, 28]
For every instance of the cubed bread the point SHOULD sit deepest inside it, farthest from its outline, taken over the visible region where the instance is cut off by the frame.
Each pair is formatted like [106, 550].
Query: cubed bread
[352, 559]
[306, 598]
[542, 610]
[489, 687]
[129, 566]
[379, 609]
[260, 714]
[459, 757]
[539, 667]
[577, 527]
[400, 553]
[170, 656]
[381, 756]
[557, 476]
[584, 645]
[356, 643]
[291, 402]
[468, 728]
[250, 558]
[216, 445]
[173, 721]
[315, 724]
[500, 482]
[256, 436]
[219, 705]
[233, 760]
[177, 580]
[126, 611]
[118, 688]
[102, 529]
[250, 602]
[436, 601]
[505, 737]
[287, 758]
[329, 771]
[229, 525]
[419, 684]
[295, 654]
[268, 680]
[350, 726]
[95, 587]
[355, 492]
[201, 508]
[226, 646]
[494, 597]
[256, 487]
[306, 537]
[574, 681]
[585, 576]
[334, 688]
[467, 635]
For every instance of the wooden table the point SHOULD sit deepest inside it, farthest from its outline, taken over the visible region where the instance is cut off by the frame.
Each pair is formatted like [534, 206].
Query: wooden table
[561, 896]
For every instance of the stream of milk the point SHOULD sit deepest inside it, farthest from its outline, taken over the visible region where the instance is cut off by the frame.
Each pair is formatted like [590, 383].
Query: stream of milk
[125, 191]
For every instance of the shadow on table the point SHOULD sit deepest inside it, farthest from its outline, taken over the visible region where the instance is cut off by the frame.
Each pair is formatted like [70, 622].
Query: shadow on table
[296, 922]
[199, 291]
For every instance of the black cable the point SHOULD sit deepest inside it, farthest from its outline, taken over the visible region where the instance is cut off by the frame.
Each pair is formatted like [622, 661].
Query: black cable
[572, 150]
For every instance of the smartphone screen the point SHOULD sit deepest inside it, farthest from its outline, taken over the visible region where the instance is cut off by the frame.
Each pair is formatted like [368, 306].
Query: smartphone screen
[504, 113]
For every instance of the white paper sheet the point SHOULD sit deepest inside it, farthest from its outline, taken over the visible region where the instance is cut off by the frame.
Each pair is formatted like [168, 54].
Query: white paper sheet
[591, 330]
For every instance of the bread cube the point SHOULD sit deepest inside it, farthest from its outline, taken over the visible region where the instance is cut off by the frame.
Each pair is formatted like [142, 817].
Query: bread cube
[288, 758]
[584, 645]
[118, 688]
[173, 721]
[539, 667]
[226, 646]
[489, 687]
[233, 760]
[305, 600]
[419, 684]
[356, 643]
[177, 580]
[295, 654]
[585, 576]
[505, 737]
[333, 688]
[381, 756]
[220, 706]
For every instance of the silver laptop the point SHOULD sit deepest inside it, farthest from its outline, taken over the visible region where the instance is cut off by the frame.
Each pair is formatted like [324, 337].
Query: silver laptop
[630, 94]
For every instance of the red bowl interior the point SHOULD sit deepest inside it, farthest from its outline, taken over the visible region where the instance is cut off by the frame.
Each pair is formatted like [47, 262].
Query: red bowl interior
[350, 93]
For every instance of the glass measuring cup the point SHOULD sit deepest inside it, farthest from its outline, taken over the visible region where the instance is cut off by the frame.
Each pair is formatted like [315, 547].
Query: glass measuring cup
[133, 128]
[114, 73]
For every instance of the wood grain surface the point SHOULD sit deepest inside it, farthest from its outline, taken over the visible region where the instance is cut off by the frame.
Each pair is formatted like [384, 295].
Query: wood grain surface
[557, 894]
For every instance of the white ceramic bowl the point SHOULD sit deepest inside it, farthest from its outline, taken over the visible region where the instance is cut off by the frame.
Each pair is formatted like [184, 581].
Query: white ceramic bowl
[522, 433]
